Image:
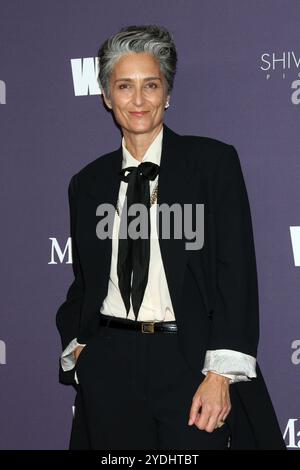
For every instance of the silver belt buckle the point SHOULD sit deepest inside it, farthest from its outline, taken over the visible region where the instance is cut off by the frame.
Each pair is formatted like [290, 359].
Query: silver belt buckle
[147, 327]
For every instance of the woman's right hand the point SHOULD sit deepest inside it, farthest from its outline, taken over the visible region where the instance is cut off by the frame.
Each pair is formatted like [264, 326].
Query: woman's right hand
[77, 351]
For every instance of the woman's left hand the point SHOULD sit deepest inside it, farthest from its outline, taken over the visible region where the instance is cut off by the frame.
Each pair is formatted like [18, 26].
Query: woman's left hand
[212, 396]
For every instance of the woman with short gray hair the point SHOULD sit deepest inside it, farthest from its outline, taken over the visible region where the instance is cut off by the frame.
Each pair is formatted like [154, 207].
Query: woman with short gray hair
[160, 336]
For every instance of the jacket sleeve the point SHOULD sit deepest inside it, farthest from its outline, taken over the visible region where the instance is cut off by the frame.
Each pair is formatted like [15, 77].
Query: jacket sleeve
[235, 315]
[68, 314]
[67, 358]
[237, 366]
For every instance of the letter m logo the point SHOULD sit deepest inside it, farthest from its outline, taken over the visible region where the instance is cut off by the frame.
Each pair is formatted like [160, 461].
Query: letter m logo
[58, 254]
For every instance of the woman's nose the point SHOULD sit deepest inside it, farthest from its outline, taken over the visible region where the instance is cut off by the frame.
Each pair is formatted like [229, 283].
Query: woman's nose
[138, 97]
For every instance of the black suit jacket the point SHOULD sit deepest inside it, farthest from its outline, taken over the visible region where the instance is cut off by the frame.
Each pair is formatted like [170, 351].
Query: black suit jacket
[214, 290]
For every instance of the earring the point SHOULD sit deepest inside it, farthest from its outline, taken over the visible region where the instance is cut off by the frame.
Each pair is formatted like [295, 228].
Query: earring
[167, 105]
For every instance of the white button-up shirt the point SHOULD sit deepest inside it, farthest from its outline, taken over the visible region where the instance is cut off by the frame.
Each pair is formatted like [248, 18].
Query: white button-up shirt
[157, 305]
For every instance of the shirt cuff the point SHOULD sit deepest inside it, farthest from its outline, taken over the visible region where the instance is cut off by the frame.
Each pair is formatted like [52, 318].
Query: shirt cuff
[237, 366]
[67, 358]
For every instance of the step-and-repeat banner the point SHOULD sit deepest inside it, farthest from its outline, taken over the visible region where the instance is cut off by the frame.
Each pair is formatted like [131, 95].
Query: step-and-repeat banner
[238, 81]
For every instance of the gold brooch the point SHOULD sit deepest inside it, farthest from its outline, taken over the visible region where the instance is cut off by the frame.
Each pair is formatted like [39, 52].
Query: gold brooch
[153, 198]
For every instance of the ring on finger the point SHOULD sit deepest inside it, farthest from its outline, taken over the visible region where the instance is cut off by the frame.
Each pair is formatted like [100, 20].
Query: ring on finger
[219, 424]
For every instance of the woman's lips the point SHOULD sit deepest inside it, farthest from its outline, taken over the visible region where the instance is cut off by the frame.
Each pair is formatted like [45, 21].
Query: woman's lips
[138, 114]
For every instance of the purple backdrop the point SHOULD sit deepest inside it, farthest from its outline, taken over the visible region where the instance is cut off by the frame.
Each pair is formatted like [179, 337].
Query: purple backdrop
[229, 86]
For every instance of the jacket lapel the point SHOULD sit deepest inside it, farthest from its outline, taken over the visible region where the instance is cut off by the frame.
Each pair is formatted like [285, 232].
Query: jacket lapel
[174, 187]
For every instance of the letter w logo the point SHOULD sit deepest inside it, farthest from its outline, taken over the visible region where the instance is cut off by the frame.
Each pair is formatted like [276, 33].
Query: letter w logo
[84, 73]
[295, 238]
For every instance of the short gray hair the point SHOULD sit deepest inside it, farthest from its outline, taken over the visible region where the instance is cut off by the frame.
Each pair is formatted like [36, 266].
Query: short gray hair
[153, 39]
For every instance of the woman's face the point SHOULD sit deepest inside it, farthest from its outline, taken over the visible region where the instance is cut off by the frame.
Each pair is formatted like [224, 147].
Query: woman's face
[137, 85]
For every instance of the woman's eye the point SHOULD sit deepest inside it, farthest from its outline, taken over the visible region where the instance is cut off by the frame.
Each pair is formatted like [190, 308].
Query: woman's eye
[125, 85]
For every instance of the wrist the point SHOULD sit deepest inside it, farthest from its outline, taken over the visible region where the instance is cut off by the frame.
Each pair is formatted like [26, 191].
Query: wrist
[217, 377]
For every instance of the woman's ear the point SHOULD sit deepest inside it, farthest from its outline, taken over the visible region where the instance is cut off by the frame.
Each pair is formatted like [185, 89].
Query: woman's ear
[107, 101]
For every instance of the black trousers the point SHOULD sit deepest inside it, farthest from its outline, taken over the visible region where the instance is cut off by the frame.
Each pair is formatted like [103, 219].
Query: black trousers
[135, 392]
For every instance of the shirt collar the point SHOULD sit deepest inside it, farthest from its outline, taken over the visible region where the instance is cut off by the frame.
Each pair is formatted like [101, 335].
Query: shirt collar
[153, 153]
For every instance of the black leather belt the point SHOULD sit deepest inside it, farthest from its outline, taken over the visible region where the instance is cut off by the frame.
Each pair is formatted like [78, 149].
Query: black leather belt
[142, 326]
